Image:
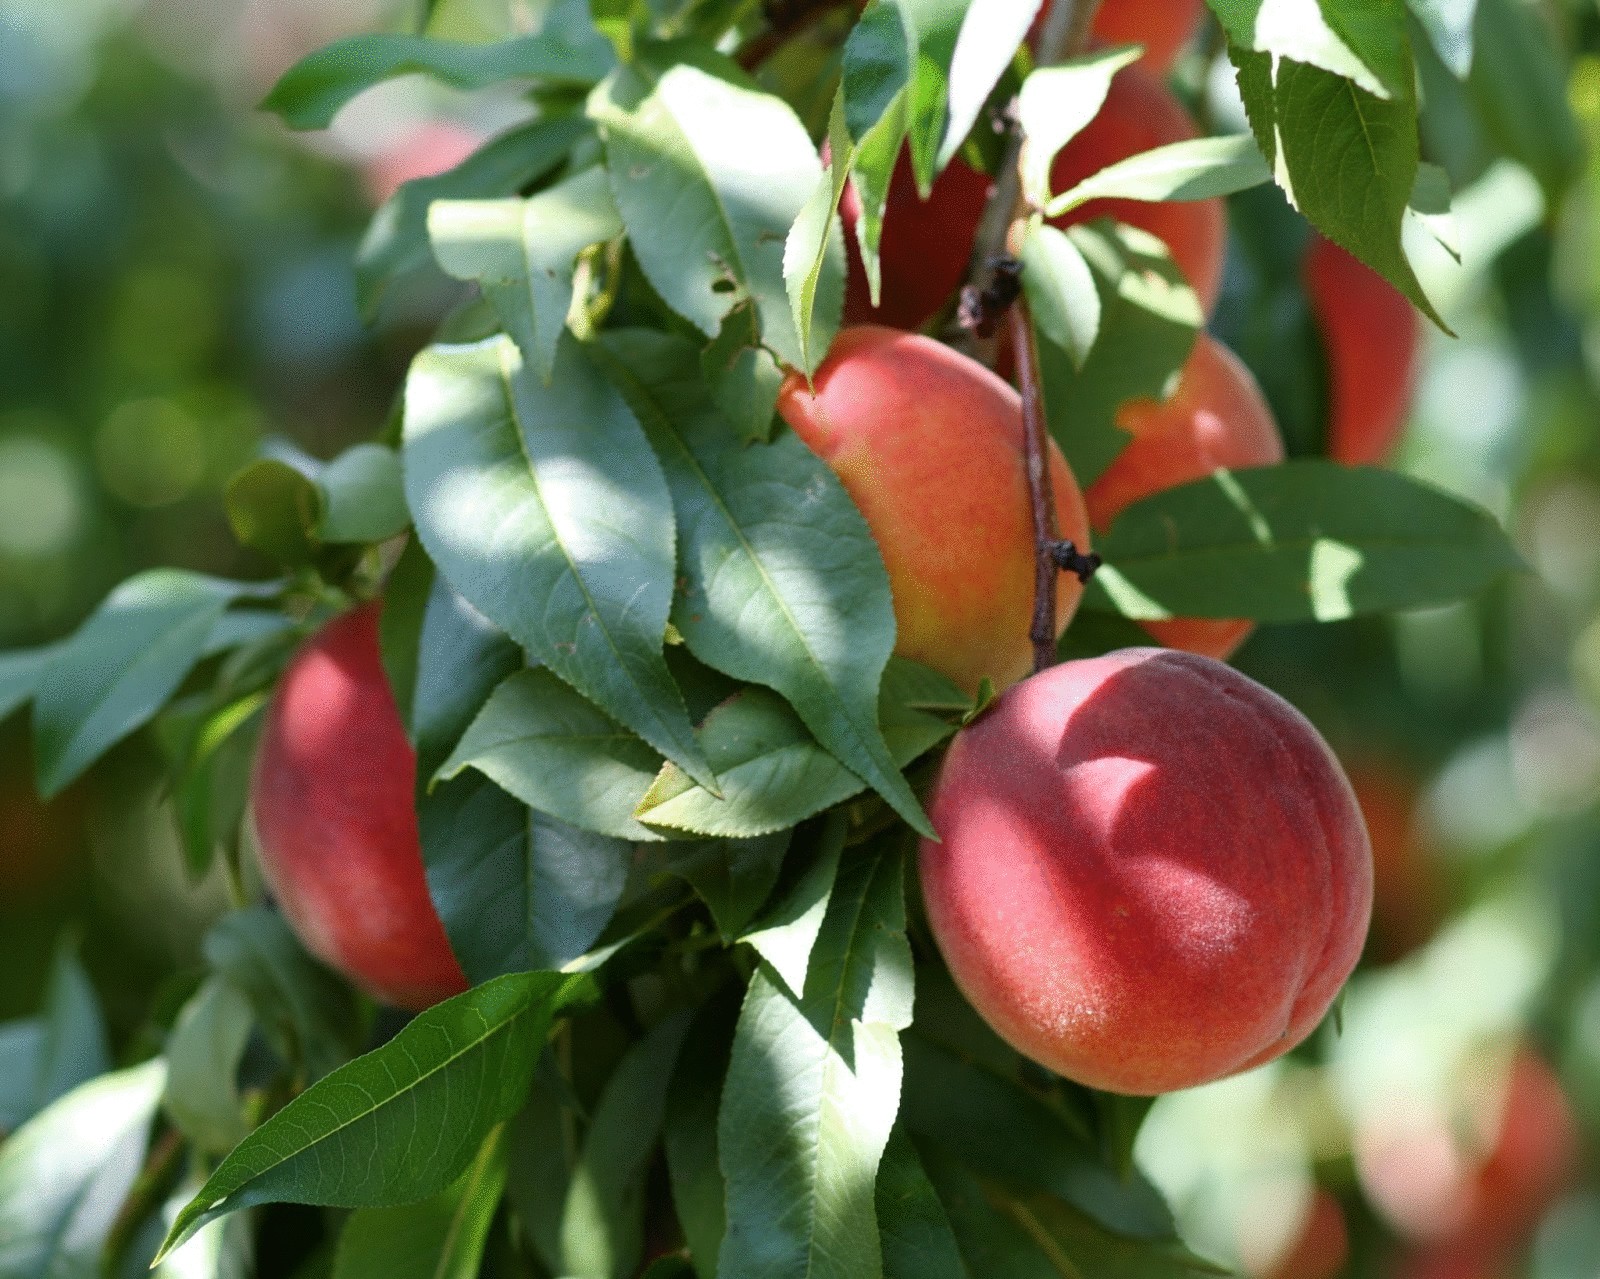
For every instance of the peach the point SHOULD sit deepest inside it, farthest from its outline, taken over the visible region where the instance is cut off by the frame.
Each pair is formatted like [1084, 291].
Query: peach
[1152, 872]
[1216, 418]
[929, 444]
[428, 150]
[1480, 1188]
[1323, 1245]
[1163, 27]
[927, 245]
[1372, 337]
[332, 796]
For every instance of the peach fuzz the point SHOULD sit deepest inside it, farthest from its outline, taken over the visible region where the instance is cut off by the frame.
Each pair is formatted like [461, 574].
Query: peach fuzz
[929, 444]
[1372, 337]
[927, 245]
[332, 798]
[1216, 418]
[1152, 873]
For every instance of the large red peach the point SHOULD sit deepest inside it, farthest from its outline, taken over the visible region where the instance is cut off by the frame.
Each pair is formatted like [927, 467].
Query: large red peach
[1152, 872]
[929, 443]
[1216, 418]
[332, 797]
[1372, 337]
[927, 245]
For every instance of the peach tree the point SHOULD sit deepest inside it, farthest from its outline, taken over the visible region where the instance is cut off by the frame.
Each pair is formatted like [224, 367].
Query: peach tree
[592, 712]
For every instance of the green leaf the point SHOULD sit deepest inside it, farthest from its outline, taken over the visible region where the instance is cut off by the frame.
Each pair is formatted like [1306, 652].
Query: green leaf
[812, 1091]
[307, 1012]
[774, 775]
[689, 1130]
[1148, 317]
[274, 508]
[213, 783]
[1056, 104]
[203, 1054]
[709, 177]
[20, 673]
[311, 92]
[1520, 88]
[545, 508]
[1036, 1237]
[74, 1047]
[462, 657]
[221, 1250]
[602, 1223]
[65, 1173]
[1305, 541]
[1200, 169]
[363, 496]
[401, 1123]
[1009, 1136]
[1355, 40]
[120, 668]
[918, 1242]
[440, 1238]
[815, 250]
[932, 28]
[523, 253]
[396, 241]
[990, 35]
[560, 754]
[745, 382]
[1450, 26]
[875, 86]
[801, 605]
[787, 934]
[21, 1047]
[542, 1147]
[734, 877]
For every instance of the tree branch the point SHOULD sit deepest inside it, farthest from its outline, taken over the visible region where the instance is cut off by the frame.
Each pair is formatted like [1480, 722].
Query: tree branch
[1000, 234]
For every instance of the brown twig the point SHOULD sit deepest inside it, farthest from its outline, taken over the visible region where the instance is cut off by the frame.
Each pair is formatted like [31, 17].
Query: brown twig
[999, 238]
[785, 20]
[1041, 494]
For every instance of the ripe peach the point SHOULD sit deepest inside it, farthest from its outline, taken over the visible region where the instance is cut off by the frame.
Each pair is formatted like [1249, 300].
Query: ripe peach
[1480, 1189]
[1408, 890]
[1217, 418]
[1323, 1245]
[929, 444]
[1163, 27]
[1373, 339]
[926, 245]
[332, 796]
[1152, 873]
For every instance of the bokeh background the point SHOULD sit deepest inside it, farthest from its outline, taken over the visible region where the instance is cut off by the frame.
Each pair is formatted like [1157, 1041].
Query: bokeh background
[177, 293]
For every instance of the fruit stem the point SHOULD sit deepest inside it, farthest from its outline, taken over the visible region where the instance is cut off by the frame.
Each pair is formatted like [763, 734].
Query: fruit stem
[1040, 494]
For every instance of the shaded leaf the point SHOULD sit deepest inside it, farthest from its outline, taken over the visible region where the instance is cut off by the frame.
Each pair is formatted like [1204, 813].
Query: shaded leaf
[709, 177]
[560, 754]
[784, 584]
[120, 667]
[812, 1091]
[440, 1238]
[401, 1123]
[311, 92]
[544, 507]
[602, 1224]
[20, 672]
[734, 877]
[523, 253]
[203, 1054]
[396, 241]
[918, 1242]
[1305, 541]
